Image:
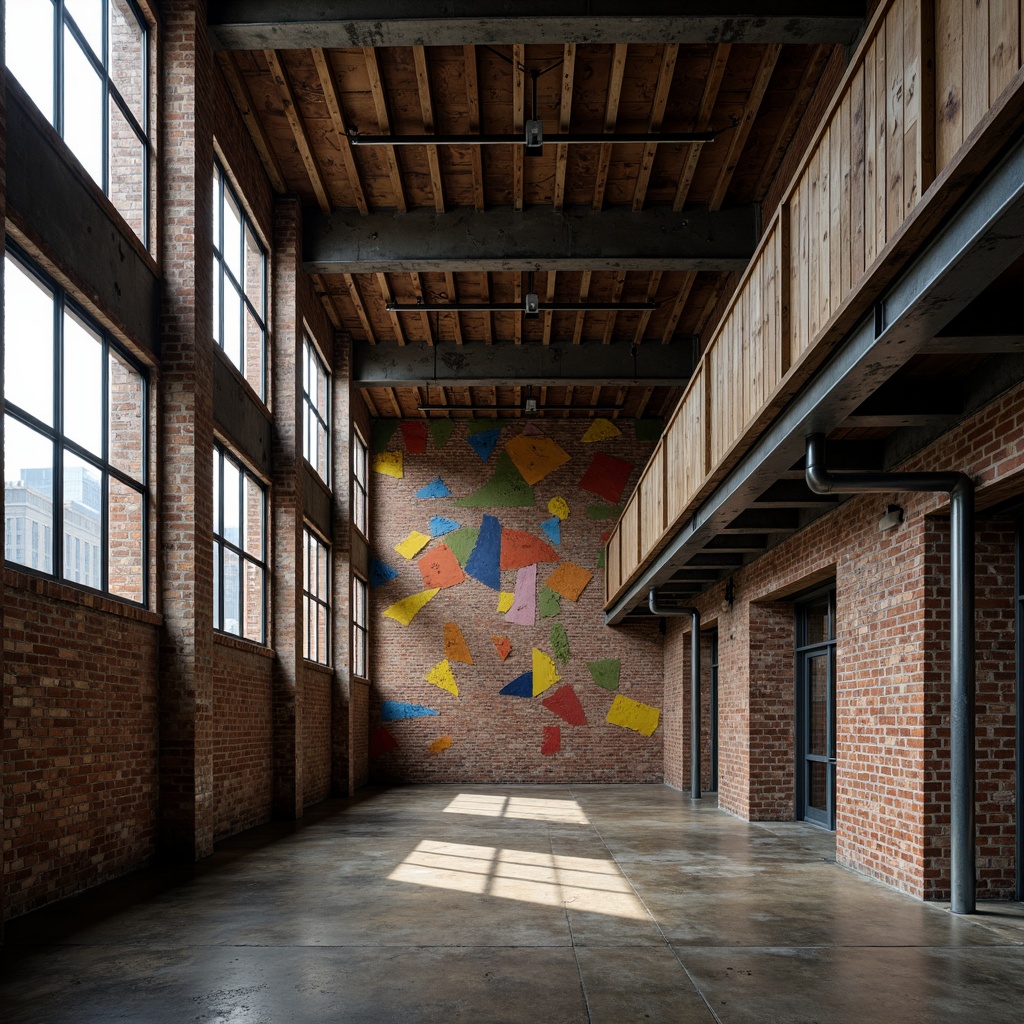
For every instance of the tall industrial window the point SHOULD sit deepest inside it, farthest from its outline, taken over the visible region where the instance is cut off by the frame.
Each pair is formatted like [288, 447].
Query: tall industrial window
[239, 285]
[239, 549]
[315, 594]
[315, 407]
[74, 443]
[85, 65]
[360, 498]
[360, 645]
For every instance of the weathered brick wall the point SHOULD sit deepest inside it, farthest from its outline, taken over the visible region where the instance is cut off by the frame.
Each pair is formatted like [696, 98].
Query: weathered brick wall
[495, 737]
[79, 740]
[316, 734]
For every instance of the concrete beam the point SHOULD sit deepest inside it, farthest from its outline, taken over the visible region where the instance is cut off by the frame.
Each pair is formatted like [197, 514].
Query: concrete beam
[480, 365]
[536, 239]
[240, 417]
[301, 24]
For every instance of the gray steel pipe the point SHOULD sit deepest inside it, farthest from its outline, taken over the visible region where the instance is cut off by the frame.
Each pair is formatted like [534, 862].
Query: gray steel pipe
[661, 611]
[960, 488]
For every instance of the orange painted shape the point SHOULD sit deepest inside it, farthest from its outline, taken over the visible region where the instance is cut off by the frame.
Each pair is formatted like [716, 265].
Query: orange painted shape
[520, 549]
[569, 580]
[440, 568]
[502, 645]
[441, 743]
[455, 647]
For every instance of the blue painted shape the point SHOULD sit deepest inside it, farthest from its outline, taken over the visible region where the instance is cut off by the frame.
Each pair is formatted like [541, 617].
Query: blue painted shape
[439, 526]
[484, 563]
[435, 489]
[380, 573]
[483, 444]
[393, 710]
[553, 528]
[521, 686]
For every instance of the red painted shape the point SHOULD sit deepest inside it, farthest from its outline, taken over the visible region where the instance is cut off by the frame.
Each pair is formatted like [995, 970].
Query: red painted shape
[382, 742]
[414, 433]
[564, 703]
[606, 477]
[552, 743]
[520, 549]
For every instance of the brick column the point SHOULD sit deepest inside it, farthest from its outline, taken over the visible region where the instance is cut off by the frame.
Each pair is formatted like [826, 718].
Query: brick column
[186, 436]
[286, 585]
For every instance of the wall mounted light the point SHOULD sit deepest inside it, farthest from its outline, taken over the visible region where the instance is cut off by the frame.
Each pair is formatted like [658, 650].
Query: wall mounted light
[893, 517]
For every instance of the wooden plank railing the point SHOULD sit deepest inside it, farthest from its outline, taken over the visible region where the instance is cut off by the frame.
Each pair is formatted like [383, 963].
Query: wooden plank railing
[925, 75]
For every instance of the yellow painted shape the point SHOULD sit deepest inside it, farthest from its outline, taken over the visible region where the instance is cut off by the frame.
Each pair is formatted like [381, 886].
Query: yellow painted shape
[559, 507]
[601, 430]
[413, 544]
[505, 601]
[441, 743]
[631, 714]
[404, 611]
[388, 463]
[535, 456]
[545, 675]
[441, 675]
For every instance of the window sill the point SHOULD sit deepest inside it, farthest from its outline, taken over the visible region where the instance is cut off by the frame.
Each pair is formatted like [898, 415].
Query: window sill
[241, 644]
[56, 591]
[316, 666]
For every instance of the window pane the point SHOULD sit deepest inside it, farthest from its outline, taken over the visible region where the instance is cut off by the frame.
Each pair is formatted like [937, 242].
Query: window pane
[231, 530]
[88, 15]
[321, 651]
[253, 602]
[29, 50]
[818, 622]
[126, 544]
[216, 586]
[321, 458]
[127, 57]
[218, 527]
[83, 108]
[253, 270]
[321, 583]
[253, 518]
[127, 163]
[28, 494]
[82, 503]
[232, 339]
[232, 254]
[232, 593]
[28, 338]
[126, 414]
[253, 366]
[216, 210]
[83, 385]
[307, 628]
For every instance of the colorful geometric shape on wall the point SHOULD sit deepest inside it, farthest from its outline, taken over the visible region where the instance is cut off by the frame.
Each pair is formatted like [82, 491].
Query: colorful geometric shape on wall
[545, 675]
[631, 714]
[506, 489]
[505, 601]
[380, 573]
[601, 430]
[414, 433]
[441, 675]
[435, 489]
[604, 511]
[524, 606]
[553, 528]
[439, 526]
[569, 580]
[396, 710]
[521, 686]
[484, 426]
[382, 742]
[606, 477]
[412, 545]
[503, 646]
[405, 610]
[649, 430]
[552, 742]
[455, 646]
[441, 743]
[484, 563]
[549, 603]
[559, 507]
[535, 457]
[485, 443]
[606, 672]
[564, 703]
[440, 568]
[520, 549]
[560, 643]
[381, 433]
[388, 463]
[462, 542]
[600, 559]
[440, 431]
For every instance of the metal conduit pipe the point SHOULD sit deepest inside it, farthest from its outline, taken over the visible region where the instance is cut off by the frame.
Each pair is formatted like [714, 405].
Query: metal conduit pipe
[661, 611]
[960, 488]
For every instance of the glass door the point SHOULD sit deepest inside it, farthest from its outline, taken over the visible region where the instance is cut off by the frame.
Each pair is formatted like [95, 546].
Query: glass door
[816, 710]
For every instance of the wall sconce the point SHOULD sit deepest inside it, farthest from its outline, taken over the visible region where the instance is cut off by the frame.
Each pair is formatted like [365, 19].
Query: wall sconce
[892, 518]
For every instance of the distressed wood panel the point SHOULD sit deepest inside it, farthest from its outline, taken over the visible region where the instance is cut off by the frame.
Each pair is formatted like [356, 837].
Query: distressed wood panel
[651, 493]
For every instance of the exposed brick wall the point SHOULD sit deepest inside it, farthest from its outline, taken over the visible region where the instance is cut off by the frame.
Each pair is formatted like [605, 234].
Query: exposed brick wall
[498, 738]
[79, 741]
[316, 735]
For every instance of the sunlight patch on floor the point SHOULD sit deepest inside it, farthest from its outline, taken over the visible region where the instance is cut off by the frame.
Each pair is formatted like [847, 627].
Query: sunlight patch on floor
[566, 812]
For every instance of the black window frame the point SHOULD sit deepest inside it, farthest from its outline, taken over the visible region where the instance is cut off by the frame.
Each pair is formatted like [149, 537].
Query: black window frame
[312, 599]
[312, 414]
[360, 628]
[360, 484]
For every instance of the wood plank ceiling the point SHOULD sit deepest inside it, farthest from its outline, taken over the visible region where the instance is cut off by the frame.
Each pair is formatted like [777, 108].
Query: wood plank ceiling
[301, 105]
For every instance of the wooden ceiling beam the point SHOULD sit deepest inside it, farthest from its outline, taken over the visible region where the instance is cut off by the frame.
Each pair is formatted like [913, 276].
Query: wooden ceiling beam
[550, 297]
[677, 307]
[453, 296]
[669, 56]
[617, 288]
[357, 302]
[564, 117]
[384, 124]
[327, 301]
[419, 56]
[417, 290]
[712, 84]
[518, 122]
[396, 320]
[645, 317]
[611, 113]
[577, 334]
[473, 102]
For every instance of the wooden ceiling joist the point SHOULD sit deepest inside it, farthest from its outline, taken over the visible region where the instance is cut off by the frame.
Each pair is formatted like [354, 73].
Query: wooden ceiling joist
[373, 70]
[330, 90]
[668, 68]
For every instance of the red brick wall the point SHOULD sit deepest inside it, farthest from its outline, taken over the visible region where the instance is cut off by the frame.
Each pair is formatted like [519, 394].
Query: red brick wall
[496, 738]
[316, 734]
[243, 743]
[79, 741]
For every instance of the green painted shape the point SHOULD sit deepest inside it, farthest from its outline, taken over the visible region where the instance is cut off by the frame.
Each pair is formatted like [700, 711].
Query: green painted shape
[549, 603]
[381, 433]
[481, 426]
[560, 643]
[440, 431]
[604, 511]
[462, 542]
[600, 559]
[506, 489]
[605, 672]
[649, 430]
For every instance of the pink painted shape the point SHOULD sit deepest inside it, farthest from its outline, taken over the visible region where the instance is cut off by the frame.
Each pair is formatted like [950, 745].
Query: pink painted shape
[524, 604]
[532, 428]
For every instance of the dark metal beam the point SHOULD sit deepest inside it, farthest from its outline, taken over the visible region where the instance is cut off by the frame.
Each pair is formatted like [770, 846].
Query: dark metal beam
[480, 365]
[347, 242]
[976, 345]
[302, 24]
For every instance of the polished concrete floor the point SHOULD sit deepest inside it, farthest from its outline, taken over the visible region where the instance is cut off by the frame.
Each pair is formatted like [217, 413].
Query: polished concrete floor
[605, 904]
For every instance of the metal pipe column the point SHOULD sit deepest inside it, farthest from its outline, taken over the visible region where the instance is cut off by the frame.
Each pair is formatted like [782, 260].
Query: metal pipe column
[660, 611]
[960, 488]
